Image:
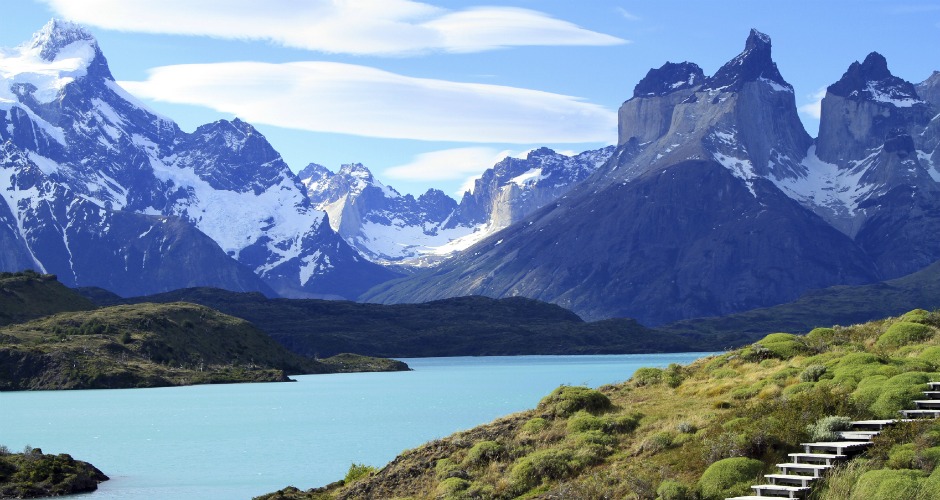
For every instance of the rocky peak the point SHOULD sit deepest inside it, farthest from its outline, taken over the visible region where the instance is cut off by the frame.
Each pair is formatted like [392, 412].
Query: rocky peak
[669, 78]
[56, 35]
[753, 64]
[543, 151]
[929, 89]
[356, 171]
[314, 172]
[872, 80]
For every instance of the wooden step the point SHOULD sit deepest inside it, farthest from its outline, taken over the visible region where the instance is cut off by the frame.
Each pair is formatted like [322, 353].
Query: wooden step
[747, 497]
[875, 425]
[934, 386]
[816, 458]
[858, 435]
[790, 479]
[777, 490]
[839, 447]
[928, 404]
[932, 394]
[815, 469]
[921, 413]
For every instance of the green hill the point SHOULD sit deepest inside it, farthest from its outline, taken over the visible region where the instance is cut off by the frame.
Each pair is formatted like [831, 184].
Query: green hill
[463, 326]
[30, 295]
[704, 431]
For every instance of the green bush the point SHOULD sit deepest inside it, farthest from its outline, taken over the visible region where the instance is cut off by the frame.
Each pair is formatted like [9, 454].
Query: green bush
[674, 374]
[594, 437]
[902, 456]
[445, 468]
[729, 477]
[452, 487]
[622, 424]
[915, 316]
[887, 483]
[812, 373]
[535, 425]
[903, 333]
[783, 345]
[584, 421]
[673, 490]
[898, 392]
[484, 452]
[821, 335]
[530, 470]
[827, 428]
[357, 472]
[566, 400]
[932, 356]
[647, 376]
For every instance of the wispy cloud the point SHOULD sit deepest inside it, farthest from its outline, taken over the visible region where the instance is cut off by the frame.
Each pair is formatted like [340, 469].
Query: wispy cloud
[449, 165]
[814, 108]
[629, 16]
[364, 27]
[364, 101]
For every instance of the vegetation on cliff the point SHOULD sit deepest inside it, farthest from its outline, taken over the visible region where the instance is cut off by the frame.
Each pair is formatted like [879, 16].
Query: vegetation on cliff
[33, 474]
[704, 431]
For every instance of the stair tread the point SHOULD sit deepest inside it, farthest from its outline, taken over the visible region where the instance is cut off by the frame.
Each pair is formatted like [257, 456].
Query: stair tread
[817, 455]
[779, 487]
[794, 465]
[791, 476]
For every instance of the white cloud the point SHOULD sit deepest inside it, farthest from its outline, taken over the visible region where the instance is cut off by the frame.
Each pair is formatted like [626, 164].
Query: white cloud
[448, 164]
[814, 108]
[629, 16]
[373, 27]
[364, 101]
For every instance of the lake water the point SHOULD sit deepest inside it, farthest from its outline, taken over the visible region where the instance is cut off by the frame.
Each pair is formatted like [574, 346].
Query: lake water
[240, 440]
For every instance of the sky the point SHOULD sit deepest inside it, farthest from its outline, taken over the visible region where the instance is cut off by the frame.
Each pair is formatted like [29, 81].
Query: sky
[429, 94]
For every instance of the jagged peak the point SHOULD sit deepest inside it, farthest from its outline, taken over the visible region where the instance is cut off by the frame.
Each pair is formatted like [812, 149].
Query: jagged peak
[543, 151]
[753, 64]
[872, 80]
[357, 170]
[668, 78]
[56, 35]
[314, 171]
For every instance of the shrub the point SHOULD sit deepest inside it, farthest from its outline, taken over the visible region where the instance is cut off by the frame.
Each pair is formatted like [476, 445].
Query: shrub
[673, 490]
[898, 392]
[594, 437]
[901, 456]
[532, 469]
[535, 425]
[452, 487]
[566, 400]
[915, 316]
[902, 333]
[657, 442]
[729, 477]
[584, 421]
[357, 472]
[622, 423]
[647, 376]
[674, 374]
[827, 428]
[445, 468]
[484, 452]
[812, 373]
[887, 483]
[686, 428]
[783, 345]
[821, 335]
[932, 356]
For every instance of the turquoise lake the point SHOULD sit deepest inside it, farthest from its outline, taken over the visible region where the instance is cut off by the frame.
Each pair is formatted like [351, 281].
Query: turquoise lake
[240, 440]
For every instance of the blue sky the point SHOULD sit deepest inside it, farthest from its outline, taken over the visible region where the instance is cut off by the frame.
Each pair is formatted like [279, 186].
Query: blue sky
[431, 93]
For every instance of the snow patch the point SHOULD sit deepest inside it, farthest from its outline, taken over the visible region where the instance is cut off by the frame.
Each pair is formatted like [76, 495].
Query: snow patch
[776, 86]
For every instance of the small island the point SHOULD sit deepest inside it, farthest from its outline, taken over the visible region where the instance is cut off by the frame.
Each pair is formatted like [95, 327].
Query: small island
[34, 474]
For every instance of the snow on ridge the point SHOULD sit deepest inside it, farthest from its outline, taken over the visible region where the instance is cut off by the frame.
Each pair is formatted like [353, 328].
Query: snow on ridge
[891, 96]
[25, 65]
[776, 86]
[528, 178]
[742, 169]
[826, 186]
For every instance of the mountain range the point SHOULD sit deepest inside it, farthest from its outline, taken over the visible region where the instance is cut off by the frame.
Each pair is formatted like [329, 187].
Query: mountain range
[715, 199]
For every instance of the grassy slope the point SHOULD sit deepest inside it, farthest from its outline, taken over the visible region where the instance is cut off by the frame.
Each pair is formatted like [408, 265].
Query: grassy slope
[146, 345]
[28, 295]
[672, 430]
[464, 326]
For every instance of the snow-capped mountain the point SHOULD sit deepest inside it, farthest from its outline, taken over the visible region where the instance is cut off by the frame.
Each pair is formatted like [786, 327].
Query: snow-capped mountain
[717, 200]
[61, 108]
[392, 228]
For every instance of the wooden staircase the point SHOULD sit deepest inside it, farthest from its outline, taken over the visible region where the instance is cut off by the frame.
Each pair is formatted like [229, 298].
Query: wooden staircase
[796, 478]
